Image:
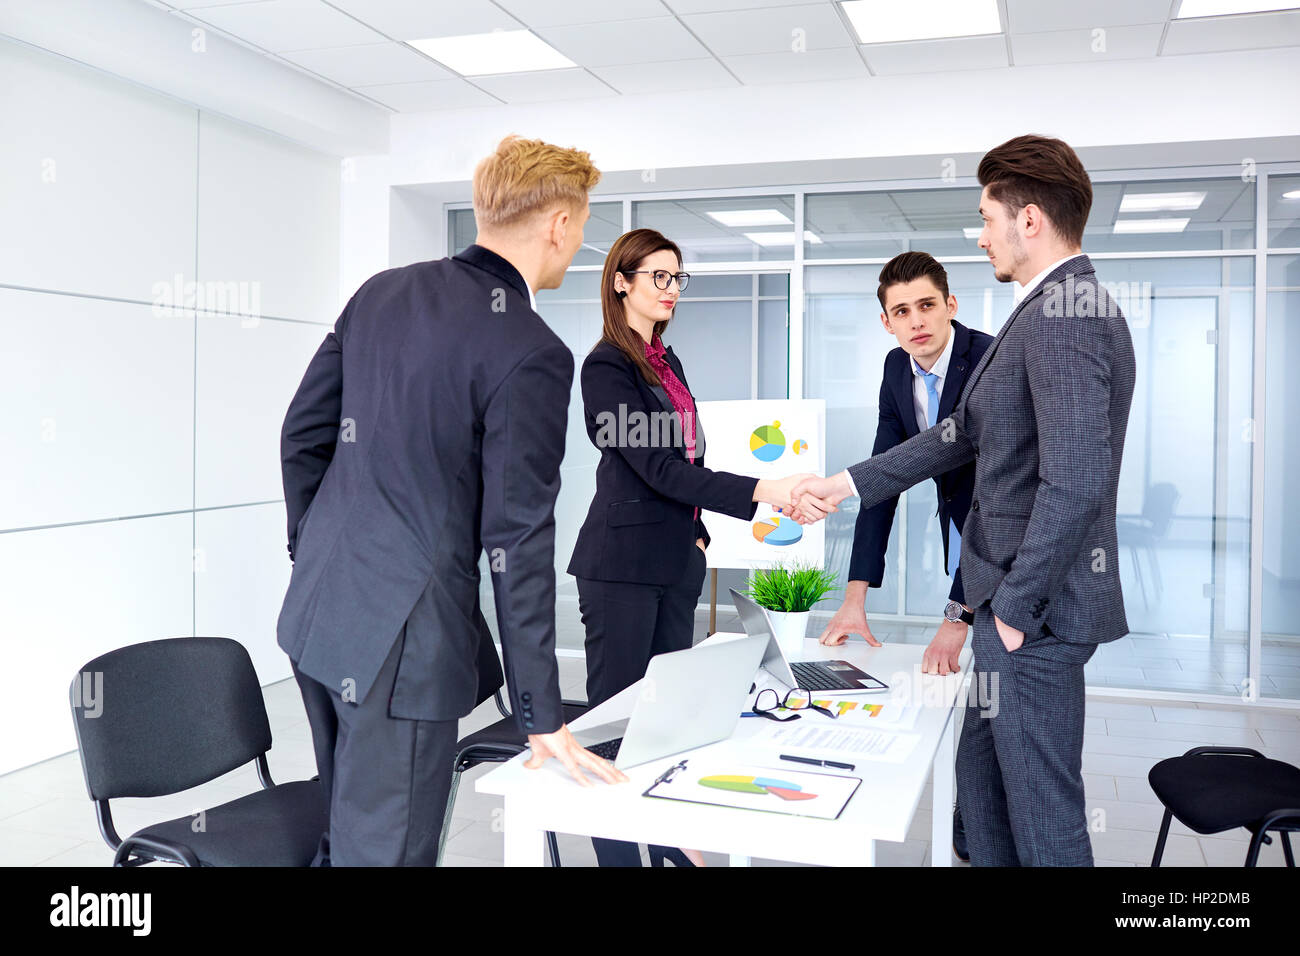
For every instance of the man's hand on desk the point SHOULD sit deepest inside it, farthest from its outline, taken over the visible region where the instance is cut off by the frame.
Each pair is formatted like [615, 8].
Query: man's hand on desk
[851, 618]
[573, 755]
[941, 657]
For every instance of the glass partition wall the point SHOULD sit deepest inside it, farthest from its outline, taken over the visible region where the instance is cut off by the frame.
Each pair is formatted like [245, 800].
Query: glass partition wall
[1205, 265]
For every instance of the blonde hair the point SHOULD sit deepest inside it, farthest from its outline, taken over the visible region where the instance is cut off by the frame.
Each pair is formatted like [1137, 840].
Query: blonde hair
[525, 176]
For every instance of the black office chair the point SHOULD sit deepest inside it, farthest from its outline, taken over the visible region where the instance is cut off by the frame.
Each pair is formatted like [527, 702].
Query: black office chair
[497, 743]
[163, 716]
[1212, 789]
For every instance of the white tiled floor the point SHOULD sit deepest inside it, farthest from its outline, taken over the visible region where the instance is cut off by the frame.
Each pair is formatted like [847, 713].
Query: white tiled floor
[46, 818]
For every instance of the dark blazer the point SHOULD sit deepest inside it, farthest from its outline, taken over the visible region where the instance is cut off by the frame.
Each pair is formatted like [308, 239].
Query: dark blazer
[1043, 417]
[896, 424]
[430, 425]
[640, 526]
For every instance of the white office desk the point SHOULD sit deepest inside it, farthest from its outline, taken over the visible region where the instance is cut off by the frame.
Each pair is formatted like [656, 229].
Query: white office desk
[882, 809]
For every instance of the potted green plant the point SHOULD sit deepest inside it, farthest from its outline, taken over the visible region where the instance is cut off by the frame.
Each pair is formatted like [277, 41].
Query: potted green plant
[787, 594]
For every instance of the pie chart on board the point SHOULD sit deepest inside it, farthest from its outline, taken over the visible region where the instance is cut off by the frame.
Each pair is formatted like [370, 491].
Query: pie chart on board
[799, 447]
[767, 443]
[777, 530]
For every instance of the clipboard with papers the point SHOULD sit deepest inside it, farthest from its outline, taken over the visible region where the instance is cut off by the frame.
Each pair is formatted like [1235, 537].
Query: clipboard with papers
[750, 786]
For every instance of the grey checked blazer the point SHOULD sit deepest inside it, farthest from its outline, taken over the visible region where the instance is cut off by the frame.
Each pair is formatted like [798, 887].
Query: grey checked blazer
[1043, 414]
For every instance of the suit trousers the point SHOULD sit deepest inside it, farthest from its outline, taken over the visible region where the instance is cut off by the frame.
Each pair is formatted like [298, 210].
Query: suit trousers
[1019, 779]
[627, 624]
[388, 778]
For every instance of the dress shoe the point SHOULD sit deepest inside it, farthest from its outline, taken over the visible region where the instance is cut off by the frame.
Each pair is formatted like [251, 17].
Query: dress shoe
[959, 837]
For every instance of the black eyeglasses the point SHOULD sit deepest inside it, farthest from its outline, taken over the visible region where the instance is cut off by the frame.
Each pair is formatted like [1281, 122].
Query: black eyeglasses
[768, 700]
[663, 278]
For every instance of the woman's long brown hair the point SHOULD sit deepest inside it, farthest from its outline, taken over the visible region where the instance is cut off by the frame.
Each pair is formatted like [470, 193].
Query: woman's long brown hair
[626, 255]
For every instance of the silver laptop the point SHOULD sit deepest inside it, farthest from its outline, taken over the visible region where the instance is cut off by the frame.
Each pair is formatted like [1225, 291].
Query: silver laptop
[810, 675]
[688, 699]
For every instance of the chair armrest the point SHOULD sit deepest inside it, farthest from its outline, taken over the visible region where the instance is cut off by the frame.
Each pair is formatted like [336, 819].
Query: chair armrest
[1238, 751]
[1288, 815]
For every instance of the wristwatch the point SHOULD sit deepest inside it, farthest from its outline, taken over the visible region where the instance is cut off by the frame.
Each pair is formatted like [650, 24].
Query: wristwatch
[955, 612]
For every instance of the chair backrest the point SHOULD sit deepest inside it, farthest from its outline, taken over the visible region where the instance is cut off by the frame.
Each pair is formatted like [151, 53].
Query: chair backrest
[1158, 508]
[163, 716]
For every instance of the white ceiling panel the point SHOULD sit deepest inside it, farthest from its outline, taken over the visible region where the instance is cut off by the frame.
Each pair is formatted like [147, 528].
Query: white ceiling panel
[636, 78]
[1045, 16]
[1253, 32]
[1072, 46]
[281, 25]
[770, 30]
[371, 64]
[544, 86]
[631, 41]
[556, 13]
[640, 47]
[923, 56]
[687, 7]
[422, 19]
[434, 95]
[761, 68]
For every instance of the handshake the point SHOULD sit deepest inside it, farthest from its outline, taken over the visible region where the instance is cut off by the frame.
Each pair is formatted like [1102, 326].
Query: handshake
[805, 497]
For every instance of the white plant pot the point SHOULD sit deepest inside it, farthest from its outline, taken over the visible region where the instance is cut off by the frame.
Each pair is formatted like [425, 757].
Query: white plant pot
[790, 628]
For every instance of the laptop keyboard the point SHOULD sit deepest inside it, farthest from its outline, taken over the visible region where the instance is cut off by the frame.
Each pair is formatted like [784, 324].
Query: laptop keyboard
[607, 749]
[811, 676]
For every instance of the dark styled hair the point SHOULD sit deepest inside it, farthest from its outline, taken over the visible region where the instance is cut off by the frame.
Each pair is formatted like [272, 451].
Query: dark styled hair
[1042, 171]
[908, 267]
[626, 255]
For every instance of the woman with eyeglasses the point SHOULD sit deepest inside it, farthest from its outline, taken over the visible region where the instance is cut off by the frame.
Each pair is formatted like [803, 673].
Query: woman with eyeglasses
[640, 556]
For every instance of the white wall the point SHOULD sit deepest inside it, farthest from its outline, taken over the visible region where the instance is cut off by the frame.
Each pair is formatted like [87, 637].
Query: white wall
[141, 495]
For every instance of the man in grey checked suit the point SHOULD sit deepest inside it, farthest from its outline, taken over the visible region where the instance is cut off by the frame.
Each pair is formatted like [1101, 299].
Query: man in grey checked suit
[1043, 415]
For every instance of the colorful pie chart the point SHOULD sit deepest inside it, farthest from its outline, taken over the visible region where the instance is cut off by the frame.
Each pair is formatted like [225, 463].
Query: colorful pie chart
[767, 443]
[799, 447]
[777, 530]
[741, 784]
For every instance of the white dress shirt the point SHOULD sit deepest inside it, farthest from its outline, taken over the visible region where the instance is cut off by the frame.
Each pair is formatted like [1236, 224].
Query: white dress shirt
[1020, 291]
[920, 397]
[532, 299]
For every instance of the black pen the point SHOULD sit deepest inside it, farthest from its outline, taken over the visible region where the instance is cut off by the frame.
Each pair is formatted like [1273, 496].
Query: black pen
[819, 763]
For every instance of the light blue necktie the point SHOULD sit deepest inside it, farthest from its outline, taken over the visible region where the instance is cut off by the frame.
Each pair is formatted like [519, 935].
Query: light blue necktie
[931, 417]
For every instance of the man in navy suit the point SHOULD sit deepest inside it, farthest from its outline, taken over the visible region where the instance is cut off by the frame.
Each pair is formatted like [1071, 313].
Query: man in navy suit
[428, 428]
[923, 378]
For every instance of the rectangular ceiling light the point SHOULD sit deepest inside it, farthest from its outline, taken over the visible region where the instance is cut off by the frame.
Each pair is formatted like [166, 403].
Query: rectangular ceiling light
[888, 21]
[780, 238]
[1222, 8]
[1150, 225]
[749, 218]
[1161, 202]
[502, 51]
[972, 232]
